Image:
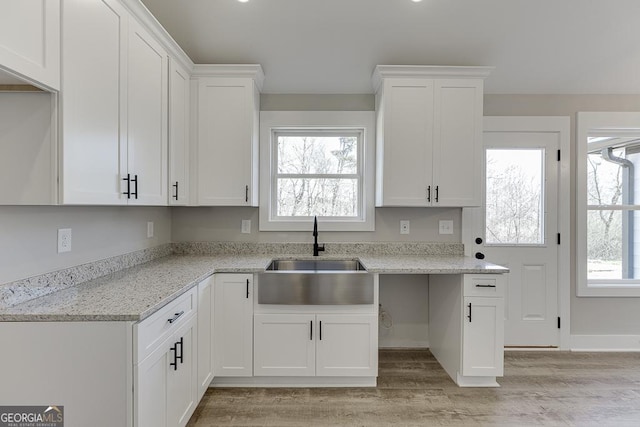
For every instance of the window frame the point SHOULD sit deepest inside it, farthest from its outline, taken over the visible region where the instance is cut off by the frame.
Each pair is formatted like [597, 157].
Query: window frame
[273, 123]
[593, 124]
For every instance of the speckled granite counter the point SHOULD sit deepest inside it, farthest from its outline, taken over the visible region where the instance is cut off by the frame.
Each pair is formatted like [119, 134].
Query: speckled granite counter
[135, 293]
[415, 264]
[131, 294]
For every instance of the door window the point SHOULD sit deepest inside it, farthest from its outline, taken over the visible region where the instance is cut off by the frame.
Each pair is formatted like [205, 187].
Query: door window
[514, 213]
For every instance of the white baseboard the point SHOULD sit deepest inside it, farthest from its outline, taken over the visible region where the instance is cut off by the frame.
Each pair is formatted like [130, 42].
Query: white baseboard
[605, 342]
[304, 382]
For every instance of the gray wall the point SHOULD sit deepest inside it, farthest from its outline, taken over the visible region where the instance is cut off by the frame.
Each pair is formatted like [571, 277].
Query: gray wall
[223, 224]
[28, 235]
[589, 315]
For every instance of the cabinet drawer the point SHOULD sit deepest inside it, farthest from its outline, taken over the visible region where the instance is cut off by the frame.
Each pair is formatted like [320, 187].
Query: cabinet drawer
[151, 332]
[483, 286]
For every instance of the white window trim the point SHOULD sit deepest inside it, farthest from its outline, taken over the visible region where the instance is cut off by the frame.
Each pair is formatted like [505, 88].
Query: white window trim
[588, 123]
[271, 120]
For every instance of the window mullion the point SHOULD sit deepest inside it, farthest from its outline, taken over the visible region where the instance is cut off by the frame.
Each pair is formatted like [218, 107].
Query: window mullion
[316, 176]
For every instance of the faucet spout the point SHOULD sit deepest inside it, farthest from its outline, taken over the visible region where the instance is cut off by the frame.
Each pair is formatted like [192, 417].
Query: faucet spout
[316, 247]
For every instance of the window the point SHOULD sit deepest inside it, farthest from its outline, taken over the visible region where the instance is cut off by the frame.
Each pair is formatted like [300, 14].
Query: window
[514, 199]
[608, 204]
[316, 170]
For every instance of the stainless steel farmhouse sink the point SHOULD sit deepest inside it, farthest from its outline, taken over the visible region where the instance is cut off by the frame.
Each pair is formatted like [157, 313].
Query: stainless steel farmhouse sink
[315, 282]
[315, 265]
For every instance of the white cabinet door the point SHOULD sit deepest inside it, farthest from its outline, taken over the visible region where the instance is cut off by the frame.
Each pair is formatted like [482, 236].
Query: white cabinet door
[30, 41]
[405, 142]
[347, 345]
[205, 323]
[179, 90]
[457, 145]
[233, 325]
[227, 149]
[483, 336]
[182, 387]
[147, 89]
[429, 130]
[151, 387]
[93, 118]
[284, 345]
[165, 385]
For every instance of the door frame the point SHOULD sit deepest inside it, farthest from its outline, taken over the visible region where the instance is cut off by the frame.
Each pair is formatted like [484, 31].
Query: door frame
[561, 126]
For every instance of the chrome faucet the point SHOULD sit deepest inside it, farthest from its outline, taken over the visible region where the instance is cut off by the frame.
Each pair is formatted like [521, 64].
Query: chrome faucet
[316, 247]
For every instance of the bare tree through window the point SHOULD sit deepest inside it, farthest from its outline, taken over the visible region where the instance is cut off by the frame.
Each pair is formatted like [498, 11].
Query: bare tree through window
[514, 196]
[604, 226]
[317, 174]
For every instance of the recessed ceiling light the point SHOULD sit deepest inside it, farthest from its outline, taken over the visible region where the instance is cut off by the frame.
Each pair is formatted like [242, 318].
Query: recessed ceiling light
[415, 1]
[244, 1]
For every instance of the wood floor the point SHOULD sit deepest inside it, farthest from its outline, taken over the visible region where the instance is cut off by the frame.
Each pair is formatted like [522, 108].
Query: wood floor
[539, 388]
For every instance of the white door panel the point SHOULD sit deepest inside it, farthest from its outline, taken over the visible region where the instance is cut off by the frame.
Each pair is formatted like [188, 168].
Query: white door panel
[517, 227]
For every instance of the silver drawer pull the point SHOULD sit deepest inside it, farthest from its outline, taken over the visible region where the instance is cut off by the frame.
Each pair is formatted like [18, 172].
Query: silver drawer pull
[175, 317]
[485, 286]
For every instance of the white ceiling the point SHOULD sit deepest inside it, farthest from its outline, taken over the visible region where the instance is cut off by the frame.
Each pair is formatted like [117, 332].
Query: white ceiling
[332, 46]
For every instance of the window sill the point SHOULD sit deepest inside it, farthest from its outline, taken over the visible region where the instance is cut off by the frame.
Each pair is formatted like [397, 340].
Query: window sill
[323, 225]
[612, 291]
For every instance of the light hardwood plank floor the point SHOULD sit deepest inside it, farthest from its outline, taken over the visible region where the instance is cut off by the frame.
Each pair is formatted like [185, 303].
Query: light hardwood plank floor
[539, 388]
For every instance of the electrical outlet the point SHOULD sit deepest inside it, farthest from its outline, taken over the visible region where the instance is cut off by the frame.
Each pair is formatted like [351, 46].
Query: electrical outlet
[64, 240]
[404, 227]
[149, 229]
[246, 226]
[446, 226]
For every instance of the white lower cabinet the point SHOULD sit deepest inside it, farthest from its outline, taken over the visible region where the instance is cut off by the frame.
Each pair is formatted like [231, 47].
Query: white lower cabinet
[233, 325]
[284, 345]
[165, 375]
[205, 334]
[347, 345]
[483, 337]
[466, 327]
[315, 345]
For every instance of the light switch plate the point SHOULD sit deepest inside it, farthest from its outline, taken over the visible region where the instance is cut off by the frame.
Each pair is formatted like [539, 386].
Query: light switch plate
[446, 226]
[149, 229]
[404, 227]
[246, 226]
[64, 240]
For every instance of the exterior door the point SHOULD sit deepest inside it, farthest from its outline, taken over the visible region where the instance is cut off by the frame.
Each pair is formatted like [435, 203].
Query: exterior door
[517, 227]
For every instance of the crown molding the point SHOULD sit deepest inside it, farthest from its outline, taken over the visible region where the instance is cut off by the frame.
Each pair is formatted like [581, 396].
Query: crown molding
[146, 18]
[253, 71]
[427, 71]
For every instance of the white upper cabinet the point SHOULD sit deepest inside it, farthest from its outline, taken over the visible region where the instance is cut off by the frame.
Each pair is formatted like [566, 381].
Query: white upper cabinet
[429, 129]
[405, 141]
[113, 108]
[457, 142]
[147, 89]
[226, 149]
[179, 87]
[30, 41]
[93, 114]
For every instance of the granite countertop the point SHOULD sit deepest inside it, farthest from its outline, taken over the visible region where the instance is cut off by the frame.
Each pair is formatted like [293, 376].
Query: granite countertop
[132, 294]
[416, 264]
[135, 293]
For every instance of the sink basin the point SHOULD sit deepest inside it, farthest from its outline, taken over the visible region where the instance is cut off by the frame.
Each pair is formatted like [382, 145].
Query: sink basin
[315, 282]
[315, 265]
